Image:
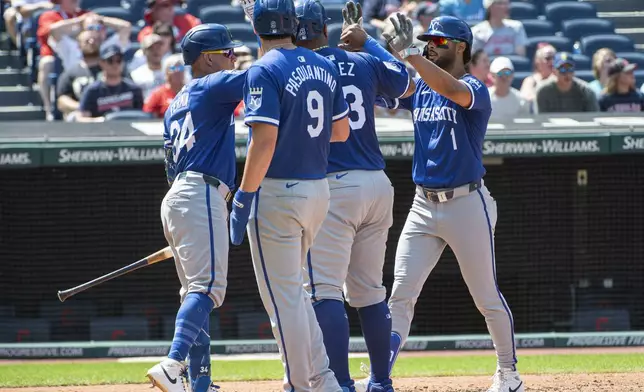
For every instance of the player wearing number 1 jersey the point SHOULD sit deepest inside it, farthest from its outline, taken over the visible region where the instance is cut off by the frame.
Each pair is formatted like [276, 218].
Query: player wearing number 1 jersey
[348, 255]
[295, 107]
[200, 163]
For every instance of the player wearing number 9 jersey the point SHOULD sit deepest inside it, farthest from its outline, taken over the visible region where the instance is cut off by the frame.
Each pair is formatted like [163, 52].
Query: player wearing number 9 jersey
[452, 205]
[295, 107]
[200, 162]
[349, 250]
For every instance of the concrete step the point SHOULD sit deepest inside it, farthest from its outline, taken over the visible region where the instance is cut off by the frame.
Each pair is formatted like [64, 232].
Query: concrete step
[624, 20]
[14, 77]
[22, 113]
[19, 96]
[11, 59]
[617, 5]
[636, 34]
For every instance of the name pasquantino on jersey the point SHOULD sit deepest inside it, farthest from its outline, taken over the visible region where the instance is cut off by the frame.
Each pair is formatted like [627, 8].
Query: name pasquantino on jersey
[309, 72]
[435, 113]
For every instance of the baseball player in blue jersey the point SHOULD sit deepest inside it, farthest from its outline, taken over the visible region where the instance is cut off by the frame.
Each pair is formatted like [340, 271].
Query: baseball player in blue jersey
[295, 107]
[200, 163]
[452, 206]
[348, 254]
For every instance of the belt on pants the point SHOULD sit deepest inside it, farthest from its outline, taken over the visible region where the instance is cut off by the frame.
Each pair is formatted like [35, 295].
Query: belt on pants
[443, 195]
[212, 181]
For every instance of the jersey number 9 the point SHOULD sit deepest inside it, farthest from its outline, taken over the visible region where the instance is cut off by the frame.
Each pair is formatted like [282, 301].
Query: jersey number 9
[182, 135]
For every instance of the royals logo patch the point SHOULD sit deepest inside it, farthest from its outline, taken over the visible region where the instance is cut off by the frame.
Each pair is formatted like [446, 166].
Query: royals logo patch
[255, 99]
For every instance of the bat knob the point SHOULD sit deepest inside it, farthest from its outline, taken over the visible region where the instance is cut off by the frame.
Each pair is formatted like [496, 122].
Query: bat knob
[60, 296]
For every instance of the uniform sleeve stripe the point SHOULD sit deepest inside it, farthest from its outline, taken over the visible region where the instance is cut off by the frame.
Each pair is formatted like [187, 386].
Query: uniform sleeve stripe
[406, 88]
[471, 93]
[341, 115]
[397, 101]
[260, 119]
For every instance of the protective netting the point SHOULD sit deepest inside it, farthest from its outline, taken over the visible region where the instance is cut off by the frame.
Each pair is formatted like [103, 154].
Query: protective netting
[569, 244]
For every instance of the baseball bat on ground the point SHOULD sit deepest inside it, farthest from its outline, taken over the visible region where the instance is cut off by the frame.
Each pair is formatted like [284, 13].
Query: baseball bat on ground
[155, 257]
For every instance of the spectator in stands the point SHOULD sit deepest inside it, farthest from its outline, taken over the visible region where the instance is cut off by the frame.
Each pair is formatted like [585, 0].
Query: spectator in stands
[111, 92]
[63, 35]
[163, 11]
[620, 94]
[73, 81]
[150, 75]
[244, 58]
[423, 15]
[166, 32]
[468, 10]
[174, 70]
[506, 100]
[21, 11]
[497, 34]
[564, 93]
[601, 60]
[479, 67]
[542, 71]
[376, 12]
[64, 10]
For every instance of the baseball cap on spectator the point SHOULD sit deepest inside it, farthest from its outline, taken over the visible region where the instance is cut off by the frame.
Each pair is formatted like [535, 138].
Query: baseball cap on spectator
[426, 8]
[620, 65]
[109, 51]
[150, 40]
[500, 63]
[564, 60]
[488, 3]
[243, 53]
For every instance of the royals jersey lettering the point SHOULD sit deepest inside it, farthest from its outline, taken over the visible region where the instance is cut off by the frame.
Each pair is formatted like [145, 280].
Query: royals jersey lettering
[448, 137]
[275, 85]
[363, 77]
[199, 126]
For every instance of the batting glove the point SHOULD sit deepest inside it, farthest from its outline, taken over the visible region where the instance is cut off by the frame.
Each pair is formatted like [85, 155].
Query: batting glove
[239, 215]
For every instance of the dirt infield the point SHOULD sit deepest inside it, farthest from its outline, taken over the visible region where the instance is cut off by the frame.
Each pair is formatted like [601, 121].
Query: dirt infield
[622, 382]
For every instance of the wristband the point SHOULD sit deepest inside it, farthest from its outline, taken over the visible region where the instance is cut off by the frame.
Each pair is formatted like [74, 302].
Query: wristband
[410, 51]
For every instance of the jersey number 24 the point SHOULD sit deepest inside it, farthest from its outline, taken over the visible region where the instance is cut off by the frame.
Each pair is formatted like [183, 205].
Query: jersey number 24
[182, 135]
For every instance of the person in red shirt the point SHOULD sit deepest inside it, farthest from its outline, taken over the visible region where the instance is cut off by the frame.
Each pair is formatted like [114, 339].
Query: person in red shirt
[161, 98]
[163, 10]
[63, 10]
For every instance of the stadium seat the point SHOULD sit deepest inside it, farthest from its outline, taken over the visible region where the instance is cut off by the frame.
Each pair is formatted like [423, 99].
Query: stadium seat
[15, 330]
[538, 27]
[92, 4]
[601, 320]
[129, 53]
[518, 78]
[567, 10]
[253, 325]
[334, 32]
[128, 115]
[69, 320]
[194, 6]
[7, 311]
[334, 11]
[582, 62]
[118, 328]
[618, 43]
[117, 12]
[242, 31]
[576, 29]
[586, 75]
[639, 78]
[633, 57]
[562, 44]
[521, 11]
[223, 14]
[520, 63]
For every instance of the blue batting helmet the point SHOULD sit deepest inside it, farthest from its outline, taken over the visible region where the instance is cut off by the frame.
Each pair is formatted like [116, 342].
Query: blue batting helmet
[274, 17]
[448, 27]
[209, 36]
[311, 19]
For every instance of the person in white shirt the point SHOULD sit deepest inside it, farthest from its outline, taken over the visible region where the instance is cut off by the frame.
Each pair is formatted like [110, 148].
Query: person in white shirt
[150, 75]
[497, 34]
[506, 100]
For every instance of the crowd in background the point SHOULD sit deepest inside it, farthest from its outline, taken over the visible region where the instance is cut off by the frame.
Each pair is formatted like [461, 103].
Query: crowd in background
[95, 79]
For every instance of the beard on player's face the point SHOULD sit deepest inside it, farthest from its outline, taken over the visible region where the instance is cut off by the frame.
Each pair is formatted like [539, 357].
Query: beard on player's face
[442, 57]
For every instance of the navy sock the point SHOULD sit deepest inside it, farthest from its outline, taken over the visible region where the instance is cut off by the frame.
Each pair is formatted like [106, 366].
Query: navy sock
[376, 329]
[334, 324]
[192, 315]
[199, 360]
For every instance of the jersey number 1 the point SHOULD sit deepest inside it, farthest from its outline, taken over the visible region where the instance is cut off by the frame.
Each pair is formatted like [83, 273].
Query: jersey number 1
[183, 135]
[453, 139]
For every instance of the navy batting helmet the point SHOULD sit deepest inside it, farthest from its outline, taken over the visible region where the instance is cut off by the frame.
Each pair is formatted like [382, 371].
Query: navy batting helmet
[209, 36]
[274, 17]
[452, 28]
[311, 19]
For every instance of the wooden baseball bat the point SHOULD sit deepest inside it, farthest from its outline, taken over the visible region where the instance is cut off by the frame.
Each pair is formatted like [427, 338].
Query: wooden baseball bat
[155, 257]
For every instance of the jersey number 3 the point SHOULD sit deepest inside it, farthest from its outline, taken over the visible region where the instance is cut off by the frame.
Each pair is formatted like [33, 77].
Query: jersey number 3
[182, 135]
[357, 106]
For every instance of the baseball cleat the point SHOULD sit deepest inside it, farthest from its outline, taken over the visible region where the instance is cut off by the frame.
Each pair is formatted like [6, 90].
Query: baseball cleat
[506, 380]
[169, 376]
[362, 385]
[380, 387]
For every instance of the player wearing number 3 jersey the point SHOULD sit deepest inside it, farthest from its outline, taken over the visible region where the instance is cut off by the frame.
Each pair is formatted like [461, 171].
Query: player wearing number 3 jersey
[347, 257]
[452, 205]
[200, 163]
[294, 106]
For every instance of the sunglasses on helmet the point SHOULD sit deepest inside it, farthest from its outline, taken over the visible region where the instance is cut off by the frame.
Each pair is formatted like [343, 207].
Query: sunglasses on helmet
[226, 52]
[441, 42]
